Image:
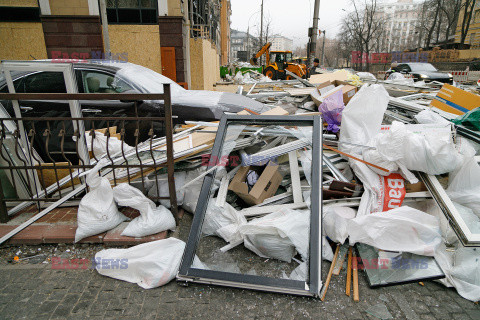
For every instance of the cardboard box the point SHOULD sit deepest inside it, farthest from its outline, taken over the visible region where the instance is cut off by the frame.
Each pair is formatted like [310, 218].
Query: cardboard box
[266, 186]
[347, 89]
[454, 100]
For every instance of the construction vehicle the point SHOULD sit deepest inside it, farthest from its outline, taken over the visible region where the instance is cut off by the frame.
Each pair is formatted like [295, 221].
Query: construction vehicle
[277, 62]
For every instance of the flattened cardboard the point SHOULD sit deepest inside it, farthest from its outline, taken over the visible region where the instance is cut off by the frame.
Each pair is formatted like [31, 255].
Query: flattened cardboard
[266, 186]
[454, 100]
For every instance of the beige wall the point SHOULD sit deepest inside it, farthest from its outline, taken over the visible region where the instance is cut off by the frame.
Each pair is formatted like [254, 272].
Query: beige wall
[19, 3]
[21, 40]
[469, 54]
[175, 8]
[205, 64]
[141, 42]
[69, 7]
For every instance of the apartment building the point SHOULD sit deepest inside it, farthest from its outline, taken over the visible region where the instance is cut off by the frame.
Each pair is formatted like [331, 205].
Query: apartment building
[281, 43]
[473, 35]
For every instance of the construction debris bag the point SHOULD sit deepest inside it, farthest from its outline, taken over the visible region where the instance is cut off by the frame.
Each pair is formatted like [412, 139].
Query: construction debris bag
[97, 211]
[149, 265]
[223, 222]
[462, 269]
[464, 185]
[160, 188]
[331, 109]
[402, 229]
[335, 222]
[279, 234]
[152, 219]
[362, 117]
[382, 193]
[431, 151]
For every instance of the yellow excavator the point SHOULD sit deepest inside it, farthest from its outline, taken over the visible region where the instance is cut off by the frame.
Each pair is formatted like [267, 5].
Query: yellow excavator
[278, 62]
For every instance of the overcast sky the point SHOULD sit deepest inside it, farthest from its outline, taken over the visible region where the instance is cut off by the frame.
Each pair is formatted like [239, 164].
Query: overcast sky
[290, 18]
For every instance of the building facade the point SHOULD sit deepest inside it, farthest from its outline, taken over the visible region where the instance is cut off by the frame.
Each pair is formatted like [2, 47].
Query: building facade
[281, 43]
[156, 34]
[401, 21]
[243, 45]
[473, 35]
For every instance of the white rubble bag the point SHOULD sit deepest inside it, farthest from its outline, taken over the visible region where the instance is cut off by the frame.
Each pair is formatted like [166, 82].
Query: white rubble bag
[432, 151]
[277, 235]
[97, 211]
[402, 229]
[382, 193]
[150, 265]
[152, 219]
[362, 117]
[462, 269]
[161, 190]
[223, 222]
[335, 222]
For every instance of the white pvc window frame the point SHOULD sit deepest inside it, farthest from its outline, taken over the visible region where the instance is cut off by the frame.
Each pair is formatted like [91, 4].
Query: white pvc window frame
[71, 86]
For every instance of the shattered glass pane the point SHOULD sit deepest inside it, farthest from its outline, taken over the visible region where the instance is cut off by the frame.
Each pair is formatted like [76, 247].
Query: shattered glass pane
[387, 268]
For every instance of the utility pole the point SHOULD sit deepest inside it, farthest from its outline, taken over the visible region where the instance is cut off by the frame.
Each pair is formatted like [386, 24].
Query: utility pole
[323, 50]
[312, 44]
[261, 31]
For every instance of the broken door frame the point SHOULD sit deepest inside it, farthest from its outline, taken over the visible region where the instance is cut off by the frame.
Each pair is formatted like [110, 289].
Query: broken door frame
[310, 287]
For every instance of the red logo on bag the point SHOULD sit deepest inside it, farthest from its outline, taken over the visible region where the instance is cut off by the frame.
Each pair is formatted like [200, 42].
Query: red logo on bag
[394, 186]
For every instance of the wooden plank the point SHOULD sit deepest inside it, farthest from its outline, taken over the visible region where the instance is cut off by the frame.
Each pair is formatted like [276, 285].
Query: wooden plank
[323, 293]
[349, 272]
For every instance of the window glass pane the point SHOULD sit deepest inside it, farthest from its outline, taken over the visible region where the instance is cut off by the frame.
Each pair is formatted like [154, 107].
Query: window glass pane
[128, 3]
[148, 3]
[112, 15]
[98, 82]
[128, 15]
[44, 82]
[149, 16]
[111, 3]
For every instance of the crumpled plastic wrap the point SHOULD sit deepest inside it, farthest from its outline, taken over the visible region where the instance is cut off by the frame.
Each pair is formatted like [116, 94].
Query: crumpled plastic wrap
[331, 109]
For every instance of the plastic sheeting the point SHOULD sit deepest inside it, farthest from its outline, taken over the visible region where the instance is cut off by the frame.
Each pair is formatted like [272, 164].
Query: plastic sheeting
[431, 151]
[331, 109]
[363, 116]
[402, 229]
[278, 235]
[223, 222]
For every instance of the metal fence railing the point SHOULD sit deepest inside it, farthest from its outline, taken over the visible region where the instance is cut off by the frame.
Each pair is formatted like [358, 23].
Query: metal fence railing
[40, 162]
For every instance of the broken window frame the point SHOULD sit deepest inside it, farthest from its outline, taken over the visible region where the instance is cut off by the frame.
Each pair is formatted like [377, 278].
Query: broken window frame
[310, 287]
[456, 221]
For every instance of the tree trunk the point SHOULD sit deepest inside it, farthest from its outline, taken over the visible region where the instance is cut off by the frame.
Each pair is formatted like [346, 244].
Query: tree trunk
[467, 17]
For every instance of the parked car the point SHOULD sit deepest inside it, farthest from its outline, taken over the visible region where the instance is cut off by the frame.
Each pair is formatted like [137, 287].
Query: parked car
[422, 71]
[108, 77]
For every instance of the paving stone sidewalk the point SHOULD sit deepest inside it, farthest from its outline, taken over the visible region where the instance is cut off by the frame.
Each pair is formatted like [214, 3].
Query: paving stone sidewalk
[36, 291]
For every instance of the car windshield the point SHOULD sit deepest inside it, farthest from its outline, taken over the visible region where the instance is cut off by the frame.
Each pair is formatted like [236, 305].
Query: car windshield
[422, 67]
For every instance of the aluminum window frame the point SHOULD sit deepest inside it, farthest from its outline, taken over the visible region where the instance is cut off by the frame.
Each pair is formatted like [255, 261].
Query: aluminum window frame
[310, 287]
[466, 237]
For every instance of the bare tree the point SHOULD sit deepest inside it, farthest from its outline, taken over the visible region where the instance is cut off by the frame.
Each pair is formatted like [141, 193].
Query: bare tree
[451, 10]
[468, 8]
[365, 25]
